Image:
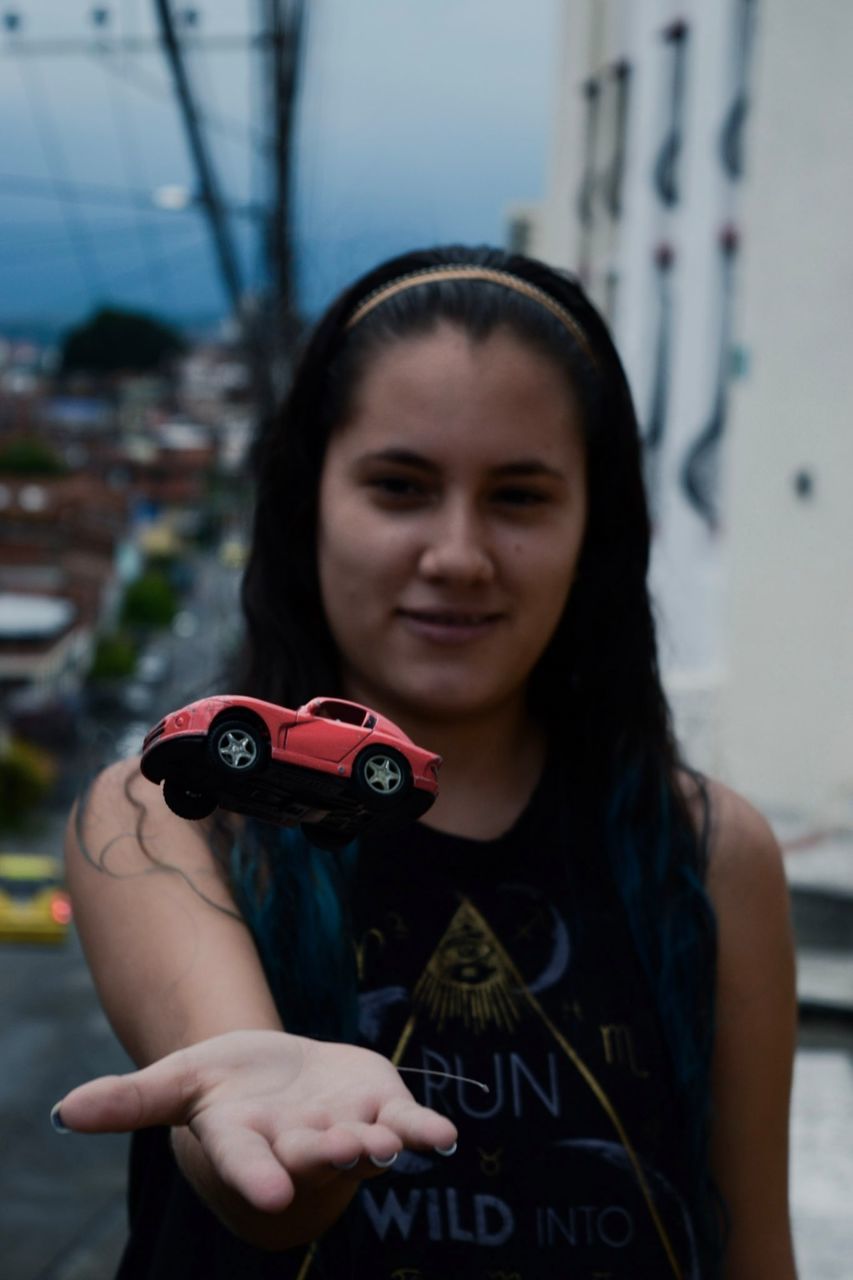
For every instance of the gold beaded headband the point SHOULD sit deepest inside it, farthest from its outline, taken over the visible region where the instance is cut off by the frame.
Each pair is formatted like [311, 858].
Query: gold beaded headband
[430, 275]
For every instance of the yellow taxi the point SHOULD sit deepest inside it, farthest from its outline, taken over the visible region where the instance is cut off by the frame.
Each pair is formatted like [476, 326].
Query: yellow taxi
[34, 906]
[233, 553]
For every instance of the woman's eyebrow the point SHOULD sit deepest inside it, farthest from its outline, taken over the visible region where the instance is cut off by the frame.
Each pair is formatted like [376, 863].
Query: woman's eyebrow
[400, 457]
[519, 468]
[528, 467]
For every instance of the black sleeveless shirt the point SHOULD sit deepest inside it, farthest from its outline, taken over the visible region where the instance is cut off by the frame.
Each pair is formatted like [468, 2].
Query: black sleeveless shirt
[510, 963]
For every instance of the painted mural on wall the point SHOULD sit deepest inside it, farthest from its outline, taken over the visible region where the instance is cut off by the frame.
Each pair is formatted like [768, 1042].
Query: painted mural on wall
[662, 103]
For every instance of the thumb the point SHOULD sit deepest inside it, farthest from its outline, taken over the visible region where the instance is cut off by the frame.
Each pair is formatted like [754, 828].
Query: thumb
[163, 1093]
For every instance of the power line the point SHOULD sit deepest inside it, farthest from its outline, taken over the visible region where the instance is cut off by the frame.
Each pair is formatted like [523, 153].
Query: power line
[146, 232]
[156, 89]
[64, 45]
[286, 27]
[278, 40]
[258, 158]
[16, 255]
[183, 257]
[75, 227]
[206, 83]
[210, 200]
[20, 184]
[103, 48]
[209, 196]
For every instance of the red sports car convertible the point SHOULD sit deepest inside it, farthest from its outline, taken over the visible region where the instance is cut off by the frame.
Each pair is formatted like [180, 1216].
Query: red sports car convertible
[332, 766]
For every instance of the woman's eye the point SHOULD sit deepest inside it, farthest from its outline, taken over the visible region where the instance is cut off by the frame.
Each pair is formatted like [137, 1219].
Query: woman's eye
[517, 497]
[396, 487]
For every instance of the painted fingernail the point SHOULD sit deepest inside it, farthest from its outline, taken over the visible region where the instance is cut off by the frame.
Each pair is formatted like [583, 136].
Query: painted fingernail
[384, 1164]
[446, 1151]
[350, 1164]
[56, 1121]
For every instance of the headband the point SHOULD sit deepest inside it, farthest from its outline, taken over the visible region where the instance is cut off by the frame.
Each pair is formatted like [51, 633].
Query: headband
[432, 275]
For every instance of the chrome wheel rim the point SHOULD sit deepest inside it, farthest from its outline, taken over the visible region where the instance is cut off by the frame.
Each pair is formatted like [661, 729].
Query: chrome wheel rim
[237, 749]
[383, 775]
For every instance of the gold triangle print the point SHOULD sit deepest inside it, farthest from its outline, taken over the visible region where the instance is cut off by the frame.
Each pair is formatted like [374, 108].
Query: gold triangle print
[468, 979]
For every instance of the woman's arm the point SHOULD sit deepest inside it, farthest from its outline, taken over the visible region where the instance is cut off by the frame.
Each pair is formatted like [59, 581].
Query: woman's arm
[172, 960]
[756, 1013]
[260, 1117]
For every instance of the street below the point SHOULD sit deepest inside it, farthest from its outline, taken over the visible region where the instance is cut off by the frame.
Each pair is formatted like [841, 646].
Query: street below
[61, 1197]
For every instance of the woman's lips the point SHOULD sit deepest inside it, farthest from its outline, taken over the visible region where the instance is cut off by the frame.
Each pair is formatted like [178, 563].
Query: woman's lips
[449, 626]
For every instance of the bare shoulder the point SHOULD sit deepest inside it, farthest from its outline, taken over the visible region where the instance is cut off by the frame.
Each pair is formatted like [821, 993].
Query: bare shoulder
[742, 849]
[755, 1034]
[749, 890]
[744, 857]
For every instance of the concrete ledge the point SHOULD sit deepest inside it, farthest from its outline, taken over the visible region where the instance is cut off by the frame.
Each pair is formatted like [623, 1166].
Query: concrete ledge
[825, 980]
[820, 861]
[823, 919]
[823, 1013]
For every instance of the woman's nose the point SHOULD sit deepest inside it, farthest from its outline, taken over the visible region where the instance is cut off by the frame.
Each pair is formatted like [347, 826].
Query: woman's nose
[457, 550]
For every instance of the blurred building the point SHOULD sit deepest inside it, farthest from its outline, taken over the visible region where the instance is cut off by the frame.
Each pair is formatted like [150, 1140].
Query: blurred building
[701, 188]
[61, 539]
[93, 479]
[215, 388]
[169, 466]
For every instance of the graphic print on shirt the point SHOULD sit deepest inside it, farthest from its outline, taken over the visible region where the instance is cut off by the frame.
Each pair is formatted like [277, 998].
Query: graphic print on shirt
[464, 1010]
[466, 978]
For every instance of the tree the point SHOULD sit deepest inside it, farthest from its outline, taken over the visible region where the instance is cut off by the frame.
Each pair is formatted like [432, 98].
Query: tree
[150, 601]
[114, 657]
[113, 340]
[26, 776]
[30, 457]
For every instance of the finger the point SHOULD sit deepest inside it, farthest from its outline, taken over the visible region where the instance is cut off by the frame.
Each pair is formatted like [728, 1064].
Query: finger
[418, 1126]
[351, 1147]
[244, 1161]
[313, 1156]
[374, 1142]
[164, 1093]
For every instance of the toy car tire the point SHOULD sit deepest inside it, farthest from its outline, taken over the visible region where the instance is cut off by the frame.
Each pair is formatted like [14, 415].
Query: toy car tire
[188, 804]
[237, 746]
[382, 777]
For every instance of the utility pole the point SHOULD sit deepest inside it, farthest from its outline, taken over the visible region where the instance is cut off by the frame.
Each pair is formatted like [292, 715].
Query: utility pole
[212, 205]
[209, 196]
[284, 22]
[271, 327]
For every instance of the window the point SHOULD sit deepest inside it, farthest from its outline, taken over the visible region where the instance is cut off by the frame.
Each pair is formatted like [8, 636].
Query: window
[344, 711]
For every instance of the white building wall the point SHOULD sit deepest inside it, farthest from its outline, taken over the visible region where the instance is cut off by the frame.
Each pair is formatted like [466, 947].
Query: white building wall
[558, 221]
[619, 258]
[788, 705]
[756, 602]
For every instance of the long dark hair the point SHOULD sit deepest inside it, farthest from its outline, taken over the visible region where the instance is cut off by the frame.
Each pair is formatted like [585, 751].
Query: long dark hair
[598, 682]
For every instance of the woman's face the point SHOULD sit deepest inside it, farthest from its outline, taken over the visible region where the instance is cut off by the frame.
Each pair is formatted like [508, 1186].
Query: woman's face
[451, 515]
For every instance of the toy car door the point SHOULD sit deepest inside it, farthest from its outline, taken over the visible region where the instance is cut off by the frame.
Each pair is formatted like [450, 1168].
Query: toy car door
[330, 731]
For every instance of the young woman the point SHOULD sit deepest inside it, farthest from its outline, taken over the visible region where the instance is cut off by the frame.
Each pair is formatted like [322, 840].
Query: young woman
[451, 528]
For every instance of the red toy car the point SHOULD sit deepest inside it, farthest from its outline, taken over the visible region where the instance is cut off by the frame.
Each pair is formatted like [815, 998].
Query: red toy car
[332, 766]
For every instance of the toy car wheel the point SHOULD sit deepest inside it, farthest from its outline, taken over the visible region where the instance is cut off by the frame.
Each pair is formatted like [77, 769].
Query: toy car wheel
[382, 776]
[188, 804]
[237, 746]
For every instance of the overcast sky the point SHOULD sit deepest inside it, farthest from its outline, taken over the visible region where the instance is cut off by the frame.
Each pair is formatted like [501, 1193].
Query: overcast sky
[420, 121]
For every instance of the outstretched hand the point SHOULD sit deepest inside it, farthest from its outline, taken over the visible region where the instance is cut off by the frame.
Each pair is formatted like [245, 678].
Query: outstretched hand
[274, 1114]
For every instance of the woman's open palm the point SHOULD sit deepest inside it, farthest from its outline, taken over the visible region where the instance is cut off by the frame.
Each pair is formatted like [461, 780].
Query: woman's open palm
[272, 1112]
